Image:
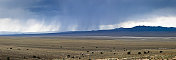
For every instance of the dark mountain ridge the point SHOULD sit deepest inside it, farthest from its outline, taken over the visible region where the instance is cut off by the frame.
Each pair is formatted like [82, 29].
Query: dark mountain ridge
[137, 31]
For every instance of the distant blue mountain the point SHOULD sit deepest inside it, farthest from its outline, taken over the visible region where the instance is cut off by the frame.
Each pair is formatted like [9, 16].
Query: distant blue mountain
[137, 31]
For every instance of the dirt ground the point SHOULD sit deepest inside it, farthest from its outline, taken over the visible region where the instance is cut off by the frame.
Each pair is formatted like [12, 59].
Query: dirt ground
[87, 48]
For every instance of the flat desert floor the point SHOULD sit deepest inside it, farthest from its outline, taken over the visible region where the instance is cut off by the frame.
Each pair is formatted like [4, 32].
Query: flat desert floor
[87, 48]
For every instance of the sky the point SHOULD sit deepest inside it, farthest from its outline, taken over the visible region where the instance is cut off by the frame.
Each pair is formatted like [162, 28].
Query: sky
[43, 16]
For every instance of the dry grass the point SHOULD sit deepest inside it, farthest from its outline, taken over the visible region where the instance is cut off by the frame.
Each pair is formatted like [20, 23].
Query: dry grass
[48, 48]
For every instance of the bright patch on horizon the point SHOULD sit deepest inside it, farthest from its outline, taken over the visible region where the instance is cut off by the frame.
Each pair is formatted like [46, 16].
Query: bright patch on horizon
[155, 21]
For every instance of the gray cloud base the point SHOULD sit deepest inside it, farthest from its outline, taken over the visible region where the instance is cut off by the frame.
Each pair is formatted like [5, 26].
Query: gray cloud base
[84, 14]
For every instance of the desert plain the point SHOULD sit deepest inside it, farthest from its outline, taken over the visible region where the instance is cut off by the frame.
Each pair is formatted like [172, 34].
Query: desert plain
[87, 48]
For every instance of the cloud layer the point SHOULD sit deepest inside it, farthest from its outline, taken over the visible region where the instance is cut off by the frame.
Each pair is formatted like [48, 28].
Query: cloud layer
[31, 25]
[160, 17]
[68, 15]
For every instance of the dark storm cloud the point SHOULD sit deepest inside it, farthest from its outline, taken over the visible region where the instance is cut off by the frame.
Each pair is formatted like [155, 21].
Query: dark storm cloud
[85, 14]
[89, 14]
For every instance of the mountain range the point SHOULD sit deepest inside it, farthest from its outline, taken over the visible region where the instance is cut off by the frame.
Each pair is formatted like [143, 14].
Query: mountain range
[137, 31]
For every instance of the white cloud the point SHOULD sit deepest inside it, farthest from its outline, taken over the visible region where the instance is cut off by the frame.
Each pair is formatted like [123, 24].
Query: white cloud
[31, 25]
[105, 27]
[72, 28]
[165, 21]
